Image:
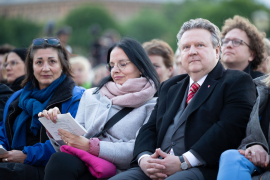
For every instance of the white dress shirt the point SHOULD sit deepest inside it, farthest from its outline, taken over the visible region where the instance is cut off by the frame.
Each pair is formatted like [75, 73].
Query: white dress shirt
[190, 157]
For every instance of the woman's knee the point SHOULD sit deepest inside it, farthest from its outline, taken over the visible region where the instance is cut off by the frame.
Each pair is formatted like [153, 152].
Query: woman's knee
[234, 165]
[63, 161]
[59, 157]
[232, 158]
[231, 155]
[64, 166]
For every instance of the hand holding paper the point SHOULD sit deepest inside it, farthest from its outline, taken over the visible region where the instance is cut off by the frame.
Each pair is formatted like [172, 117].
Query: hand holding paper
[78, 142]
[51, 114]
[63, 121]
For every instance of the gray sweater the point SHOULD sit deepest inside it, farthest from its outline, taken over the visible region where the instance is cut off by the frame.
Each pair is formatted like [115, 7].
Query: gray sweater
[117, 147]
[254, 133]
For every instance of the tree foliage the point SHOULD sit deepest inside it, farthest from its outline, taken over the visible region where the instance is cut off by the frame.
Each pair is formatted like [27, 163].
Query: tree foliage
[162, 23]
[82, 18]
[146, 25]
[18, 32]
[213, 10]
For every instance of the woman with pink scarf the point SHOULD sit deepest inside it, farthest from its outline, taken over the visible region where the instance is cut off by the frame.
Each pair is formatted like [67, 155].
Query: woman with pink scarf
[132, 83]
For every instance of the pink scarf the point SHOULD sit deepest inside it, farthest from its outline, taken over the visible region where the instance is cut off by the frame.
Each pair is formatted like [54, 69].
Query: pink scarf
[133, 93]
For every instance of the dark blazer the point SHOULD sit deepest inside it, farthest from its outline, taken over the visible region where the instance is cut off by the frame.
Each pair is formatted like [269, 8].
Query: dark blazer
[216, 120]
[16, 85]
[5, 93]
[252, 73]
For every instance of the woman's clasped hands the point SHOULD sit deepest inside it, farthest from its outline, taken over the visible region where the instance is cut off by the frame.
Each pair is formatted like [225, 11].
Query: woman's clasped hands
[257, 155]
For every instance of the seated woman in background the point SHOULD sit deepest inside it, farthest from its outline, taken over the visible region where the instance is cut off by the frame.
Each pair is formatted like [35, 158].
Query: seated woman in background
[4, 49]
[253, 153]
[47, 84]
[132, 82]
[13, 68]
[81, 67]
[162, 57]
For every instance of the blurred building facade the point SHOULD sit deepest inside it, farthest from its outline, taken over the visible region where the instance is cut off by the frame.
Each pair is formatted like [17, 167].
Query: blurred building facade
[40, 10]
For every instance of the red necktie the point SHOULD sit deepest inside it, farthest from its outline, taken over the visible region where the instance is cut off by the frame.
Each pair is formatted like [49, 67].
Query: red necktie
[193, 89]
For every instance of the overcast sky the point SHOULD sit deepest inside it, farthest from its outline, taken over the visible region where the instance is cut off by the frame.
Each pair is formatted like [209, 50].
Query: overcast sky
[266, 2]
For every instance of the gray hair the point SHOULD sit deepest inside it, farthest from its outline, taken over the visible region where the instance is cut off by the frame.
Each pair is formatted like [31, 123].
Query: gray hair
[201, 24]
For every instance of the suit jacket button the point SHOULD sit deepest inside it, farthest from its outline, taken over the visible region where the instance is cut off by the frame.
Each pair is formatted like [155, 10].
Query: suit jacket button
[173, 143]
[108, 105]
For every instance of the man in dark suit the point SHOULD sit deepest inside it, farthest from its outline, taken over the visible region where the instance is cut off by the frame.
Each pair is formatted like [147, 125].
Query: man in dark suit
[188, 130]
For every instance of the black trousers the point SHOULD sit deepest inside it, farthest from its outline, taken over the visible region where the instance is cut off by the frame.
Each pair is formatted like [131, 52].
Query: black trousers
[19, 171]
[68, 167]
[137, 174]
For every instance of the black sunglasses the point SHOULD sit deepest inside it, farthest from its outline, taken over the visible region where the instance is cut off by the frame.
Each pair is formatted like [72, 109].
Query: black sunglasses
[49, 41]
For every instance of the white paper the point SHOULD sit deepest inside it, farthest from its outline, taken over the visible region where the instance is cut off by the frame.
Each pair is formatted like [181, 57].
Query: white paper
[3, 150]
[63, 121]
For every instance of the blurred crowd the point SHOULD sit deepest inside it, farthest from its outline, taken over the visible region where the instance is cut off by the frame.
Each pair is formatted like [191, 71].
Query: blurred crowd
[89, 71]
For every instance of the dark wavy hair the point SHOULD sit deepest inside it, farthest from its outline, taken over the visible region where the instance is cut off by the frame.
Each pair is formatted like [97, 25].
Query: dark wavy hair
[29, 72]
[138, 57]
[254, 35]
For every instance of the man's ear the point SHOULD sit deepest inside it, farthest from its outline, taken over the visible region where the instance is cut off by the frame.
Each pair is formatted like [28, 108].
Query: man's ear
[170, 71]
[251, 55]
[217, 52]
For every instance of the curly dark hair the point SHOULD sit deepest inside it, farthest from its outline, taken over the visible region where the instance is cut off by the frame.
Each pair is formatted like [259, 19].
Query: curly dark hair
[254, 35]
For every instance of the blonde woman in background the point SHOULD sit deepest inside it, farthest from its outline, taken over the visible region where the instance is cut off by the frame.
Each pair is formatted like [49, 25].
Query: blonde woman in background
[100, 72]
[81, 70]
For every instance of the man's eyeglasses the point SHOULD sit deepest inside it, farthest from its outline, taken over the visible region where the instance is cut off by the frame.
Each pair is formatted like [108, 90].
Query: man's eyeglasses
[11, 63]
[121, 65]
[49, 41]
[235, 42]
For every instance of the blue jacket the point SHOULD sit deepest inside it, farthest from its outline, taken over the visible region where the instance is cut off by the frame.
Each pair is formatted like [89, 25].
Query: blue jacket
[67, 96]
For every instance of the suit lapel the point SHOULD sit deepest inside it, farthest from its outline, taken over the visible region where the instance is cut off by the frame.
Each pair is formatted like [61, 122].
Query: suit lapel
[203, 93]
[175, 96]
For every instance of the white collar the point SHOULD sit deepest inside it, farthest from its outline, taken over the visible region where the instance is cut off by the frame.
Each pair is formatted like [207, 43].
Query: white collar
[200, 82]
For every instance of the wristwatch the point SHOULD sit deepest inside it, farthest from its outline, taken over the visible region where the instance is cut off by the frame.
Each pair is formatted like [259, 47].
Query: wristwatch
[184, 165]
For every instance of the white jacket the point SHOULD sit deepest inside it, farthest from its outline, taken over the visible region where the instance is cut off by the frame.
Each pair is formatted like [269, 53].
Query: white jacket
[117, 147]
